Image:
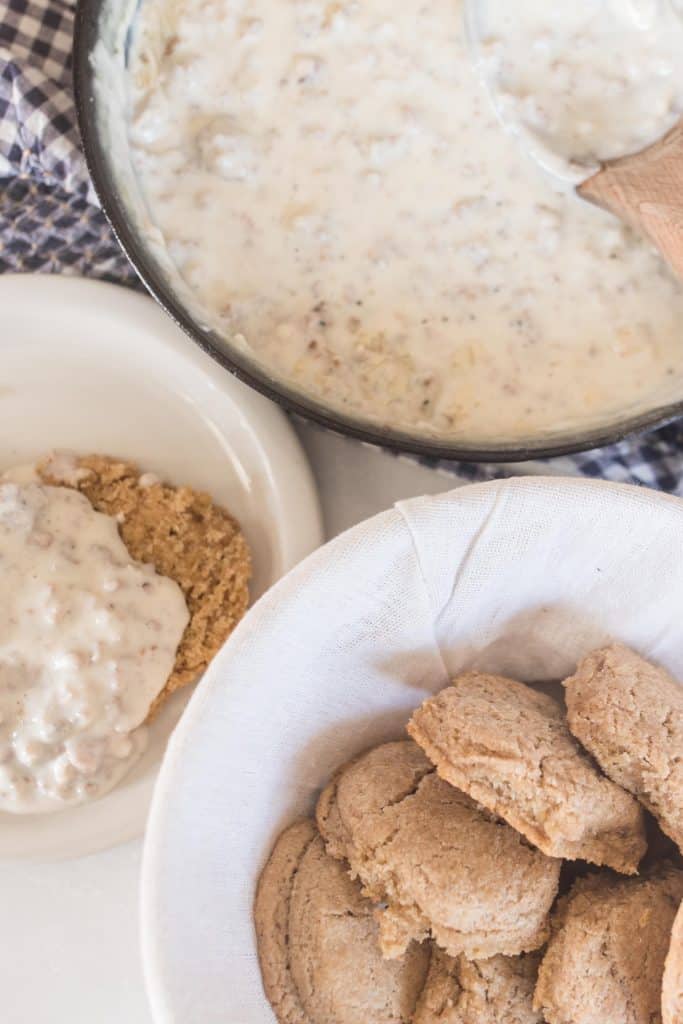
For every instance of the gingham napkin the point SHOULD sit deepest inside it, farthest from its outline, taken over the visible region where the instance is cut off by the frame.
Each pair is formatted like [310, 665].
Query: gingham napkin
[50, 221]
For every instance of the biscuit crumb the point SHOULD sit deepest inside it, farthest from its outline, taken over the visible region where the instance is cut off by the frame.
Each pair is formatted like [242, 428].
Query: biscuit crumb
[184, 536]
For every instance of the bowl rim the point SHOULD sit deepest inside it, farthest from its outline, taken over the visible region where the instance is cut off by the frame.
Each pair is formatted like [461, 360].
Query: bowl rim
[86, 28]
[518, 504]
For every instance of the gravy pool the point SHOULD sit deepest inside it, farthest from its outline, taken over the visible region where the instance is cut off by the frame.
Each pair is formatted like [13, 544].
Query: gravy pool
[333, 184]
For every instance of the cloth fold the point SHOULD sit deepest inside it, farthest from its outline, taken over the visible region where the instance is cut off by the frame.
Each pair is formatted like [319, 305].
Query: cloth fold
[50, 221]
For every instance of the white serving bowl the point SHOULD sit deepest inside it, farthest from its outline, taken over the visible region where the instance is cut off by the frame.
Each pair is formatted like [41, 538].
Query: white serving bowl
[520, 577]
[98, 368]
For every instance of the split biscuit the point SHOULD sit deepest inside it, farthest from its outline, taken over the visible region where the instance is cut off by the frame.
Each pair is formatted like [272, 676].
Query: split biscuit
[508, 747]
[441, 865]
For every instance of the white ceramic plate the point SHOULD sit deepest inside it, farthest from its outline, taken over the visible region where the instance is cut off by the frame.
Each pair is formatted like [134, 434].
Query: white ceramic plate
[521, 577]
[98, 368]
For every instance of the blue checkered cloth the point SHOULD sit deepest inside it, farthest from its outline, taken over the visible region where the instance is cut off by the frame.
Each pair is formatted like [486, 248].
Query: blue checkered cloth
[49, 218]
[50, 221]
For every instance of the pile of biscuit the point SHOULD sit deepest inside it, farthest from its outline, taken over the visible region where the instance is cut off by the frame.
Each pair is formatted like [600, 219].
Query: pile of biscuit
[427, 890]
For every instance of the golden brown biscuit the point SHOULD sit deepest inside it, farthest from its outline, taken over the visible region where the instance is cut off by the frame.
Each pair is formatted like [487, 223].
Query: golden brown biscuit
[318, 943]
[508, 747]
[271, 919]
[605, 960]
[327, 816]
[495, 991]
[442, 865]
[628, 714]
[183, 535]
[334, 950]
[672, 984]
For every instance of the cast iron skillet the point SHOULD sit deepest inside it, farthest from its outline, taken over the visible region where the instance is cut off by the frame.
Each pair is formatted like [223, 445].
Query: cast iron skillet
[85, 37]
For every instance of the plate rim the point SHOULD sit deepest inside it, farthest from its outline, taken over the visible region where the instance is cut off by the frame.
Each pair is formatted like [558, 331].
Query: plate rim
[299, 525]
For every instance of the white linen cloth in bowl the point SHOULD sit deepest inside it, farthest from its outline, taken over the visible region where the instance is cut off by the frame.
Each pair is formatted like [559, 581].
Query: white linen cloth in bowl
[520, 577]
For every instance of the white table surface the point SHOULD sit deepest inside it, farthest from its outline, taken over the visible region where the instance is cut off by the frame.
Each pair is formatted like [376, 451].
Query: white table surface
[69, 931]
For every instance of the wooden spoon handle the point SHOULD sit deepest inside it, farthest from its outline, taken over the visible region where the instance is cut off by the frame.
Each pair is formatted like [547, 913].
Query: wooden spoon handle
[646, 191]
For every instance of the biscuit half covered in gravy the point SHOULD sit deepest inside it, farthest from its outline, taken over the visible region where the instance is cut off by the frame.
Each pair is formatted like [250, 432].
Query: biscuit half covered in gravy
[440, 864]
[509, 748]
[183, 534]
